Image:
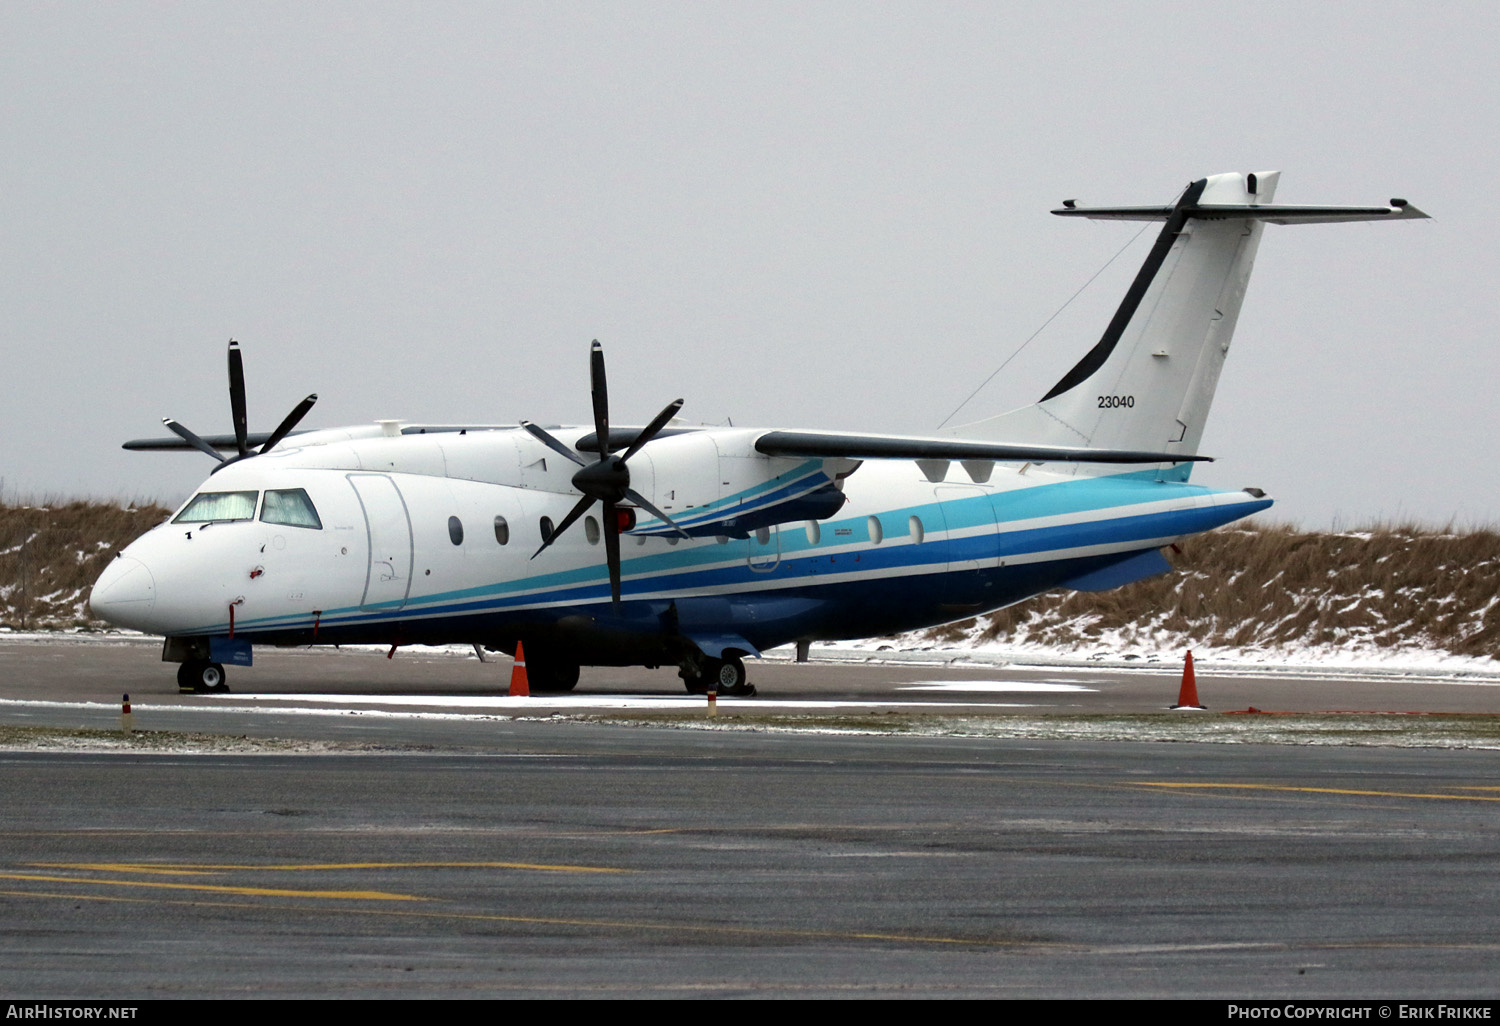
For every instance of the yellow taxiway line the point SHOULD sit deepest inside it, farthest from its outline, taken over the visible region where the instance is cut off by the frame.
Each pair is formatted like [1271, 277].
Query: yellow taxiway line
[193, 868]
[272, 892]
[1184, 785]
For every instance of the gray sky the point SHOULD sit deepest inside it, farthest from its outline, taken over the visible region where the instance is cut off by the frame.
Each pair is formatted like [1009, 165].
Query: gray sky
[795, 215]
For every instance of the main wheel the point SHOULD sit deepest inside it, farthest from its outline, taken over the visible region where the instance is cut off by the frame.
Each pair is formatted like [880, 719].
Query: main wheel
[725, 676]
[546, 675]
[201, 676]
[730, 675]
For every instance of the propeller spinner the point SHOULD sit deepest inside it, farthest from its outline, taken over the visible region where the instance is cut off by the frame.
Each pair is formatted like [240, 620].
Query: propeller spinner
[607, 479]
[237, 411]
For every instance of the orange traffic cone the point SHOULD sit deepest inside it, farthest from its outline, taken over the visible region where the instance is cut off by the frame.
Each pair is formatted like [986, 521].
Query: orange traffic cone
[518, 683]
[1187, 697]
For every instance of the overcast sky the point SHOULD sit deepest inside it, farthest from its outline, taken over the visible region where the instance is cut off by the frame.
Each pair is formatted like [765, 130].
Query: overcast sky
[793, 215]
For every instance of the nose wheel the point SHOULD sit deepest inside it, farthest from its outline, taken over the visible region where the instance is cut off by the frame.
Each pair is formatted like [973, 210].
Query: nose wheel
[199, 676]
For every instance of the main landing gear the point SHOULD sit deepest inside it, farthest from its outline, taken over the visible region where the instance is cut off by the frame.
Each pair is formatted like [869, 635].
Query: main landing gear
[546, 675]
[725, 676]
[199, 676]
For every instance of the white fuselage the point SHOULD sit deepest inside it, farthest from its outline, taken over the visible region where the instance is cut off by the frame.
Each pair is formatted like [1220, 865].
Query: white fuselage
[431, 537]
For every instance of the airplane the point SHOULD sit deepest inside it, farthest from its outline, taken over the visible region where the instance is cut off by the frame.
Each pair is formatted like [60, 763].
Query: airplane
[697, 547]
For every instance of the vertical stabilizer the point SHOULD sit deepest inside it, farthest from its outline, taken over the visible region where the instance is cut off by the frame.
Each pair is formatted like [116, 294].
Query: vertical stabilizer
[1148, 382]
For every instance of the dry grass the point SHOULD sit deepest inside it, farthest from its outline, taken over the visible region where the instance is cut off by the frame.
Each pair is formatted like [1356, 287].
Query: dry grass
[1276, 587]
[51, 552]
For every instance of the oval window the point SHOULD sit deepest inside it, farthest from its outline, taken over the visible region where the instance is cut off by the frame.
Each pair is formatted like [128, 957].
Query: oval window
[546, 529]
[877, 533]
[455, 530]
[814, 532]
[502, 531]
[763, 535]
[591, 530]
[918, 532]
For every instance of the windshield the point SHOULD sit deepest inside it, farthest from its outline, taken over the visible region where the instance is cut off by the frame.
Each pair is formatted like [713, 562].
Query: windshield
[209, 507]
[290, 507]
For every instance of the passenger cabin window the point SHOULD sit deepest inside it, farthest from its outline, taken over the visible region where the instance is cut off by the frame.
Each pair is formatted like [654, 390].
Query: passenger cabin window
[290, 507]
[591, 530]
[502, 531]
[455, 530]
[214, 507]
[546, 529]
[918, 532]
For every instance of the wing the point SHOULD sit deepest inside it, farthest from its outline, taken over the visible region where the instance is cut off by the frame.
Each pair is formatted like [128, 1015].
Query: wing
[827, 445]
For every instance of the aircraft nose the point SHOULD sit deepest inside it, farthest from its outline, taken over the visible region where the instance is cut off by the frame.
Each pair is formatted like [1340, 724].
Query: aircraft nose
[125, 593]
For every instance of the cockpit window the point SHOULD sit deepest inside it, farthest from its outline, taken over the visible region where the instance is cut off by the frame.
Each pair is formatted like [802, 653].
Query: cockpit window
[291, 507]
[211, 507]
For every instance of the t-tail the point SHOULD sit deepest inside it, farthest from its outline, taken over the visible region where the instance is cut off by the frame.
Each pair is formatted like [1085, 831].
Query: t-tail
[1148, 382]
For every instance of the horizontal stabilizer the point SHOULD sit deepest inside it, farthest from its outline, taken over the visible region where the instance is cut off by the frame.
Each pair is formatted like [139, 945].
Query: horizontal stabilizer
[908, 447]
[1272, 212]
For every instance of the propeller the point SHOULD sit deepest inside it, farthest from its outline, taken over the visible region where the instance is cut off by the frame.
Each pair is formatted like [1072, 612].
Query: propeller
[607, 479]
[237, 412]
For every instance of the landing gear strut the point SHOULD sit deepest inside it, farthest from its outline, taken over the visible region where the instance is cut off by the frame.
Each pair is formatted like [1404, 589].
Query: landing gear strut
[199, 676]
[726, 676]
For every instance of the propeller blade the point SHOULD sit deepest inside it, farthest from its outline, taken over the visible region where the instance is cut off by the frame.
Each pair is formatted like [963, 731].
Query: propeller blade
[649, 431]
[600, 390]
[192, 439]
[612, 551]
[552, 443]
[237, 397]
[298, 412]
[568, 521]
[607, 479]
[635, 497]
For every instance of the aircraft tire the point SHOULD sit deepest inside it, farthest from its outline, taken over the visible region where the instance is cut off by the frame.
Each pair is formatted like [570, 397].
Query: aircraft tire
[727, 676]
[201, 677]
[546, 676]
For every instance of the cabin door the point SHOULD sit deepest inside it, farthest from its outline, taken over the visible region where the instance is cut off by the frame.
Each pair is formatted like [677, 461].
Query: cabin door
[388, 526]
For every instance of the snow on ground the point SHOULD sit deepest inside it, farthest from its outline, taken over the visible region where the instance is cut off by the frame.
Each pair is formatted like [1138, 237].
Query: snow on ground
[1111, 650]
